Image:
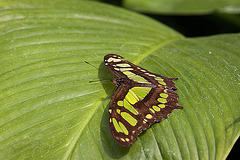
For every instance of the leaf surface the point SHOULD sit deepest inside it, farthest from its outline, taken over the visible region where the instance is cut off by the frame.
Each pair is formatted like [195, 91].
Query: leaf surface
[183, 6]
[49, 110]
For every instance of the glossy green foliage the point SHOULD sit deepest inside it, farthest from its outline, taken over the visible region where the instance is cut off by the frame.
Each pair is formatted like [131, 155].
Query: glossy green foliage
[184, 6]
[49, 110]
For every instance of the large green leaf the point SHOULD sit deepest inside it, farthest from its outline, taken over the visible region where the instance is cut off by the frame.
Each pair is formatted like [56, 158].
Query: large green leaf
[49, 110]
[183, 6]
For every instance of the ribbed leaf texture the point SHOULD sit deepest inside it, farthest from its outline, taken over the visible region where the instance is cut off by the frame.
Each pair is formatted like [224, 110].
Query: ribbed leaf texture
[49, 110]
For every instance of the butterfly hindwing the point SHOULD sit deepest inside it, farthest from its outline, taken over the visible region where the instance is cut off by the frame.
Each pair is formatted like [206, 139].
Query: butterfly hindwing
[141, 99]
[125, 123]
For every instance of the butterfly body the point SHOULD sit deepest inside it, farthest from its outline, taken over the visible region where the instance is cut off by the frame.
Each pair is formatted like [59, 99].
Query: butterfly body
[141, 99]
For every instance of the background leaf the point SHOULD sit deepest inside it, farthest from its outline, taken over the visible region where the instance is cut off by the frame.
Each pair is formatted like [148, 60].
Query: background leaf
[50, 110]
[183, 6]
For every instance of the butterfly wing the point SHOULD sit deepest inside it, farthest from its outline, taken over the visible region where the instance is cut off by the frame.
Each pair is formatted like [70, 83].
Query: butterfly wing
[125, 69]
[124, 120]
[141, 99]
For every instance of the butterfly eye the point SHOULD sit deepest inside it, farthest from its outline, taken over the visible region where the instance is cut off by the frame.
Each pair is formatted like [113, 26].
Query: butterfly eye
[114, 81]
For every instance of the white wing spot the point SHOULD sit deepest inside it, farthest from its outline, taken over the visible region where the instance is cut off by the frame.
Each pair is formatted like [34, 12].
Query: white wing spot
[113, 60]
[123, 65]
[149, 74]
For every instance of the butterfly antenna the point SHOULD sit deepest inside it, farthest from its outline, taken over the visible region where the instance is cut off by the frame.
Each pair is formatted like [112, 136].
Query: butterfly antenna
[99, 70]
[99, 80]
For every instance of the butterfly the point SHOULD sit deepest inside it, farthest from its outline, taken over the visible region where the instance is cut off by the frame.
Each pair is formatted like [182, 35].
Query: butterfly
[141, 99]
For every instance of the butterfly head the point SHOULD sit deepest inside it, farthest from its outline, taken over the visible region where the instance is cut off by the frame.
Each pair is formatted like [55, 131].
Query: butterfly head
[120, 81]
[115, 81]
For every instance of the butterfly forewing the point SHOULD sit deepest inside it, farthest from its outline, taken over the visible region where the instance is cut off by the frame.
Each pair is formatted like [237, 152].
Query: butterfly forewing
[141, 99]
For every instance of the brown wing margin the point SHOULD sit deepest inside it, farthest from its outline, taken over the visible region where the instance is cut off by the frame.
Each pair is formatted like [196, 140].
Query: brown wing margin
[147, 113]
[145, 107]
[109, 62]
[133, 131]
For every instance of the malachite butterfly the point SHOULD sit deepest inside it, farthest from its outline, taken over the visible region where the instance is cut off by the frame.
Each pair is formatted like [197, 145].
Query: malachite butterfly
[141, 99]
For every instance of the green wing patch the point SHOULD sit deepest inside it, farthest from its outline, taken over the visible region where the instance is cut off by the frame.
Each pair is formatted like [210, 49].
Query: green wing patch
[141, 99]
